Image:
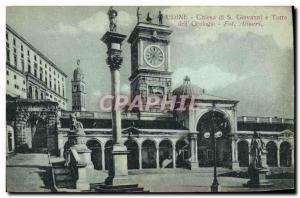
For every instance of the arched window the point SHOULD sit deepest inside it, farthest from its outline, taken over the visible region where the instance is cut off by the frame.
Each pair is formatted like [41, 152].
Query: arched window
[29, 92]
[271, 154]
[285, 154]
[36, 94]
[243, 153]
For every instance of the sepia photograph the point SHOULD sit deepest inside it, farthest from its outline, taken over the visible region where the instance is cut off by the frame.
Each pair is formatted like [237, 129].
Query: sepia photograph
[150, 99]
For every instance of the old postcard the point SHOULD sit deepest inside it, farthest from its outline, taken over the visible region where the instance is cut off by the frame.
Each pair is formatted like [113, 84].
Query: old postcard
[149, 99]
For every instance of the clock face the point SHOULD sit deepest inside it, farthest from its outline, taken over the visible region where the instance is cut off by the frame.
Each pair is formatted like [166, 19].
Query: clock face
[154, 56]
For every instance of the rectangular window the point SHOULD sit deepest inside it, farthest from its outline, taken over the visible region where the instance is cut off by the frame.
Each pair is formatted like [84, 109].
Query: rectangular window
[14, 41]
[28, 53]
[22, 48]
[7, 72]
[35, 57]
[15, 77]
[8, 56]
[15, 50]
[15, 60]
[7, 82]
[7, 36]
[40, 61]
[23, 65]
[7, 44]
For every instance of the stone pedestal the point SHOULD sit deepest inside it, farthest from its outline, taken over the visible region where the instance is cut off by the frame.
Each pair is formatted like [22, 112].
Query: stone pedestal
[235, 166]
[257, 178]
[118, 172]
[82, 182]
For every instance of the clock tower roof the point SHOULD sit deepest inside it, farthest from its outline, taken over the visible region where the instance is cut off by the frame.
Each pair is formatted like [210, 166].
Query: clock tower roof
[187, 88]
[150, 31]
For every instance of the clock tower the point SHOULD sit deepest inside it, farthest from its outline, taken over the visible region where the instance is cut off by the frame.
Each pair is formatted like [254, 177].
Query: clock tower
[150, 61]
[78, 90]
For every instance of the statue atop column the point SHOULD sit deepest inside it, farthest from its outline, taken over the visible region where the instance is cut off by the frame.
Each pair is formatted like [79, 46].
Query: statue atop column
[148, 19]
[160, 18]
[256, 150]
[112, 15]
[138, 14]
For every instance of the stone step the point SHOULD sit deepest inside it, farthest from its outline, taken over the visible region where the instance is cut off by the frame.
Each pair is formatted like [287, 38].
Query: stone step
[64, 177]
[61, 170]
[132, 188]
[70, 184]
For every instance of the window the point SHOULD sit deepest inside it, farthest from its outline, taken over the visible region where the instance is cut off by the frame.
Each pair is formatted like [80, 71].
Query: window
[22, 55]
[14, 41]
[29, 68]
[36, 94]
[15, 77]
[6, 36]
[22, 48]
[30, 92]
[7, 82]
[46, 66]
[35, 57]
[46, 81]
[40, 61]
[42, 96]
[7, 72]
[15, 50]
[8, 56]
[28, 53]
[15, 60]
[23, 82]
[41, 73]
[7, 45]
[23, 65]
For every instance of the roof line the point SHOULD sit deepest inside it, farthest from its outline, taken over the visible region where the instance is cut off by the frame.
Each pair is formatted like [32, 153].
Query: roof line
[36, 50]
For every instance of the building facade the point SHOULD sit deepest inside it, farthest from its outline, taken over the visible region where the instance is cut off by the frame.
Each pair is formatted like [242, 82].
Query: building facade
[160, 139]
[30, 74]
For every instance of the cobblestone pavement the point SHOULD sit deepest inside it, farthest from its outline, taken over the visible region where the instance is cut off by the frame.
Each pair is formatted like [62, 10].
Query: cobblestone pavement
[28, 173]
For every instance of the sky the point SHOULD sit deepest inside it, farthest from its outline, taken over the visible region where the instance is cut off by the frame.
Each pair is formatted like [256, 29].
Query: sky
[251, 64]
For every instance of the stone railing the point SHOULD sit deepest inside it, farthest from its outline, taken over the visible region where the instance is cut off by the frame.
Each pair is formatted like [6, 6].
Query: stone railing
[255, 119]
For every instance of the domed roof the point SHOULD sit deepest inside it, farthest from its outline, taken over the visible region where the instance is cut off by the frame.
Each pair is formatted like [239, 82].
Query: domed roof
[187, 88]
[78, 74]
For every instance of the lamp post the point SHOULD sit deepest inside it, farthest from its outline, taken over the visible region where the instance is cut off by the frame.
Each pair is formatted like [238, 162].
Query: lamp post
[214, 135]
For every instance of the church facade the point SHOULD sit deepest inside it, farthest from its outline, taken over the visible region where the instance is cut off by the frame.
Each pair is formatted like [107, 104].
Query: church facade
[157, 138]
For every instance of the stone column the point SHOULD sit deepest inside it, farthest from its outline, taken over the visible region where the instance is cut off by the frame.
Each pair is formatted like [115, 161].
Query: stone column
[118, 173]
[103, 156]
[292, 155]
[157, 155]
[194, 150]
[174, 154]
[235, 162]
[52, 136]
[278, 156]
[22, 116]
[140, 157]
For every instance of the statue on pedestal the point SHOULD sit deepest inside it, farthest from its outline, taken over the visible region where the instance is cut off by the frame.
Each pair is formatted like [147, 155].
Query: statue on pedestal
[257, 173]
[112, 15]
[256, 150]
[160, 18]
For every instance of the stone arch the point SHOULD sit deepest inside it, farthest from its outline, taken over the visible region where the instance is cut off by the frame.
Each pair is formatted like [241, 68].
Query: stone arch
[107, 150]
[271, 148]
[166, 154]
[285, 154]
[148, 154]
[133, 156]
[96, 155]
[243, 153]
[38, 133]
[36, 94]
[30, 92]
[225, 113]
[205, 145]
[182, 153]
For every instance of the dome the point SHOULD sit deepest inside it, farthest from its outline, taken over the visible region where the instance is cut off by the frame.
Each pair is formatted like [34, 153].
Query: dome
[78, 74]
[187, 88]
